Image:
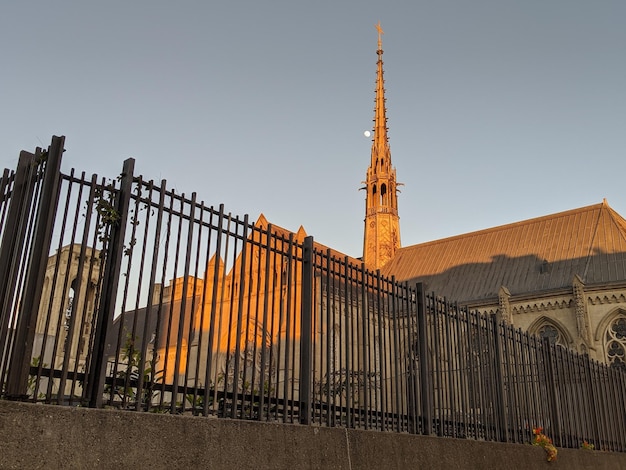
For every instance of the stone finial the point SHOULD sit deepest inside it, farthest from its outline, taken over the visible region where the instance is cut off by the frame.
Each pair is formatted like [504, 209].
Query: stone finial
[504, 305]
[580, 305]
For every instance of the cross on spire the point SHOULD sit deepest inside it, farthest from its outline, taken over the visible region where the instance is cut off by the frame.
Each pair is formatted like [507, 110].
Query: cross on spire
[380, 35]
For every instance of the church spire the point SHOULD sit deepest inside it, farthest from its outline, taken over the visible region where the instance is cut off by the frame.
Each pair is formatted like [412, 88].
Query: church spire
[382, 223]
[380, 148]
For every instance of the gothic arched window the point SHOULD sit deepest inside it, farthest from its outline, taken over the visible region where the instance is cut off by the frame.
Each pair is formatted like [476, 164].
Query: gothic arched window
[383, 193]
[615, 343]
[552, 334]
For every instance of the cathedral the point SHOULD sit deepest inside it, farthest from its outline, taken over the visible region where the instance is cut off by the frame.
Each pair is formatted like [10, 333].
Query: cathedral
[561, 276]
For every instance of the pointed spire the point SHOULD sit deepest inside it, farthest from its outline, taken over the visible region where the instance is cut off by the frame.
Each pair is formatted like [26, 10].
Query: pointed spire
[380, 144]
[382, 223]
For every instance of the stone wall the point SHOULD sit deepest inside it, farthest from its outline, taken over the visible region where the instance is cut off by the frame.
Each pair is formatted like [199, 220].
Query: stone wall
[42, 436]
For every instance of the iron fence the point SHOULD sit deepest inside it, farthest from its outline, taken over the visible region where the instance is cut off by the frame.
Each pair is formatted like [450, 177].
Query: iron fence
[124, 293]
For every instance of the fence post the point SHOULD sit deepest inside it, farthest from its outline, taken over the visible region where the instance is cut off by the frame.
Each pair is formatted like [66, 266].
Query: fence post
[306, 332]
[112, 268]
[13, 236]
[19, 368]
[424, 363]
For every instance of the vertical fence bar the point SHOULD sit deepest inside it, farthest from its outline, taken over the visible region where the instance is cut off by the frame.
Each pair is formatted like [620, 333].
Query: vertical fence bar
[70, 309]
[305, 397]
[288, 318]
[112, 269]
[473, 385]
[345, 315]
[461, 373]
[5, 193]
[183, 314]
[13, 239]
[596, 400]
[508, 389]
[382, 369]
[549, 357]
[412, 352]
[238, 297]
[364, 318]
[213, 313]
[451, 386]
[437, 363]
[397, 409]
[484, 376]
[620, 392]
[251, 315]
[150, 298]
[580, 419]
[521, 382]
[174, 315]
[424, 369]
[17, 381]
[326, 323]
[87, 281]
[616, 418]
[265, 374]
[274, 327]
[563, 431]
[536, 396]
[500, 409]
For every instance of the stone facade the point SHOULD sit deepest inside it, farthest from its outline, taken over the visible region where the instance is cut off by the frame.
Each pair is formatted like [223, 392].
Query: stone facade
[589, 319]
[62, 323]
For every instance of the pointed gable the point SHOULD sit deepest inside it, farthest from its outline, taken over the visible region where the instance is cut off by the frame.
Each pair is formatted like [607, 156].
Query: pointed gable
[300, 235]
[530, 256]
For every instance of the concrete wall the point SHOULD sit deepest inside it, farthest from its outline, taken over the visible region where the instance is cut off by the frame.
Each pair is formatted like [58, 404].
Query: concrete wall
[41, 436]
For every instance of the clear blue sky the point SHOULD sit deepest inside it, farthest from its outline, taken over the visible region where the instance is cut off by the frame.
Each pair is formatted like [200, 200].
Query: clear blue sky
[498, 110]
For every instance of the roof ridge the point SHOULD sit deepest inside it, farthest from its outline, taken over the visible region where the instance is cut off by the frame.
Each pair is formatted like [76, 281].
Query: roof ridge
[538, 254]
[517, 224]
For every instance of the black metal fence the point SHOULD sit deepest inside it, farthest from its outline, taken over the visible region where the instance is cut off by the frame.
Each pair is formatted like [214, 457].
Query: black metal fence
[123, 293]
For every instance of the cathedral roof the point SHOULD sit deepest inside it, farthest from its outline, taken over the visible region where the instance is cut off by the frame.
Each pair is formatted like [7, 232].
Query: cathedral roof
[535, 255]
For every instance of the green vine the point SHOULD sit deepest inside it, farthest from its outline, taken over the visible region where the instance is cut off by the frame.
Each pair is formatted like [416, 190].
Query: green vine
[108, 215]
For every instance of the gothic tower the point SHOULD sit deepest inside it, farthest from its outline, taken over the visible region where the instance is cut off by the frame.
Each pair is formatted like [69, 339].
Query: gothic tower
[382, 223]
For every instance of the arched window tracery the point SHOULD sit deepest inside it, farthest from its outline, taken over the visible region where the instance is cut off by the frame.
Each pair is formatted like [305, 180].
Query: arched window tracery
[552, 333]
[615, 343]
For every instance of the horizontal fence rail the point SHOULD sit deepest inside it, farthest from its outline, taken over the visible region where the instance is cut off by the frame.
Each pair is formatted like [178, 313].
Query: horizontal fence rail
[149, 300]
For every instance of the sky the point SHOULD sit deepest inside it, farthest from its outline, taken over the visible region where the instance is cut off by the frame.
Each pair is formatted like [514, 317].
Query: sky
[498, 110]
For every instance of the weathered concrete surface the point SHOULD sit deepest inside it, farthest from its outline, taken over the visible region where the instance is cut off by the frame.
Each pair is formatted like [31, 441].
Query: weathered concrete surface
[371, 450]
[40, 436]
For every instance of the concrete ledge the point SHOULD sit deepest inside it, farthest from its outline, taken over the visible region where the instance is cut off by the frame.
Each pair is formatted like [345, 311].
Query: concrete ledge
[42, 436]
